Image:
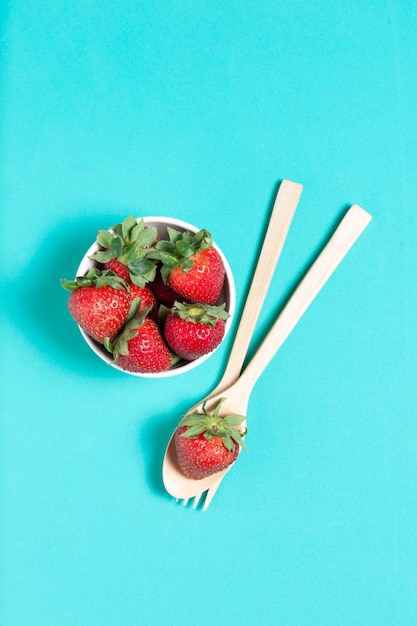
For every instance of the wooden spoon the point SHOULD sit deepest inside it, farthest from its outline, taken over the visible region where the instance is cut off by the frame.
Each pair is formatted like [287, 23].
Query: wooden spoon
[237, 395]
[280, 220]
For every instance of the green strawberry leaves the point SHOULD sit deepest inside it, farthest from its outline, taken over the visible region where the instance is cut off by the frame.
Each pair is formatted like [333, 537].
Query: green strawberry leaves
[113, 247]
[179, 249]
[130, 243]
[200, 313]
[211, 425]
[142, 271]
[96, 277]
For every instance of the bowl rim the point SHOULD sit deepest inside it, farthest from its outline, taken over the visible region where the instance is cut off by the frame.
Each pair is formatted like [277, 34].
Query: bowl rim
[183, 366]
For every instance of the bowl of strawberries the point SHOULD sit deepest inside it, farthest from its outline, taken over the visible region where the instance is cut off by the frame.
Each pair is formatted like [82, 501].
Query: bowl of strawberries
[153, 296]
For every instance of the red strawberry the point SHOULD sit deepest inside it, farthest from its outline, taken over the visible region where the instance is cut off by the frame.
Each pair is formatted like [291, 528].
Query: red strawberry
[125, 249]
[141, 347]
[192, 266]
[99, 302]
[204, 281]
[122, 270]
[163, 293]
[207, 444]
[192, 330]
[147, 300]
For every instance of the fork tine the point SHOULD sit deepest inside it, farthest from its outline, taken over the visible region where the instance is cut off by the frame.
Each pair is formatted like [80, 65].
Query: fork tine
[211, 493]
[197, 499]
[184, 501]
[209, 497]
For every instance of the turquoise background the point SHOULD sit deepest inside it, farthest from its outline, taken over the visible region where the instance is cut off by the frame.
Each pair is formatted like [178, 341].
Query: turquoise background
[196, 110]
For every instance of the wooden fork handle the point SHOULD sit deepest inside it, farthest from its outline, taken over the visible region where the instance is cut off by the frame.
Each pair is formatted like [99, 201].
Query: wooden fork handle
[348, 231]
[282, 214]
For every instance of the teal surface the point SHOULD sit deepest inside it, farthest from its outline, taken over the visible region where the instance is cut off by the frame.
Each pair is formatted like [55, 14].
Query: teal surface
[196, 110]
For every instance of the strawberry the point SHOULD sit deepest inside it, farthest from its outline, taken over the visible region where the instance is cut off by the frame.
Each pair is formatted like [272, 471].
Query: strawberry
[191, 265]
[192, 330]
[141, 347]
[206, 443]
[99, 302]
[125, 248]
[119, 268]
[162, 292]
[147, 300]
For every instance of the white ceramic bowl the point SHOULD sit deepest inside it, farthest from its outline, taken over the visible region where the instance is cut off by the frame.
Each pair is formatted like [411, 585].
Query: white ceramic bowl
[228, 296]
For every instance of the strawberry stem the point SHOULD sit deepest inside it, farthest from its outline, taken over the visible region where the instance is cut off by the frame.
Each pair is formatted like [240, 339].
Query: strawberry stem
[211, 425]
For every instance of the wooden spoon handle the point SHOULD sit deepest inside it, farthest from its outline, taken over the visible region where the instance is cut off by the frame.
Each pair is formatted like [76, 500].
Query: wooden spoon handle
[283, 211]
[348, 231]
